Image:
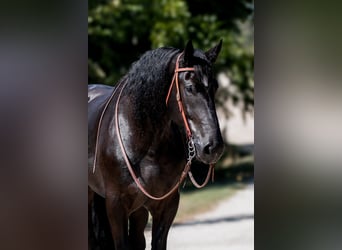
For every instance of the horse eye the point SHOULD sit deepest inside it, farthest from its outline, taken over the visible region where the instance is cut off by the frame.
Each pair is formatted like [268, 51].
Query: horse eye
[187, 75]
[189, 89]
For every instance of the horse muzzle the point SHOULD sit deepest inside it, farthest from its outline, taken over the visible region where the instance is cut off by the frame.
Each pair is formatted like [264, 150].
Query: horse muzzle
[210, 152]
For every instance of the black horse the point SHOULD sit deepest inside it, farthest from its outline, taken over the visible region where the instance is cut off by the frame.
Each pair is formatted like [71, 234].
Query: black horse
[142, 138]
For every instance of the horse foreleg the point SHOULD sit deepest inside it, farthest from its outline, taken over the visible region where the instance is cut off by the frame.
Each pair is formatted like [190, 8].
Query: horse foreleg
[91, 234]
[118, 222]
[137, 224]
[100, 224]
[163, 213]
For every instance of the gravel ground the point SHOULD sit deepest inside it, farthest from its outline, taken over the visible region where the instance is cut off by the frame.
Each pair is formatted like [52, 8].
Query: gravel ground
[229, 226]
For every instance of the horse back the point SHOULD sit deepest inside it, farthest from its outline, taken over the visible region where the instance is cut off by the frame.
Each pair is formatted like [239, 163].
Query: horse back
[98, 95]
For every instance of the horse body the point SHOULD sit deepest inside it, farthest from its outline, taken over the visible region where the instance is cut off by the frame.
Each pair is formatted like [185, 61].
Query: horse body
[161, 160]
[153, 136]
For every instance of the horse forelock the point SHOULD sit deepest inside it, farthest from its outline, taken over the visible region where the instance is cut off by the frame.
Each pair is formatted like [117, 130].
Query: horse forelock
[199, 55]
[203, 67]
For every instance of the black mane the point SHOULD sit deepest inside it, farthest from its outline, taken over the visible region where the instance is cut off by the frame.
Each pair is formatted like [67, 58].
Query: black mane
[148, 82]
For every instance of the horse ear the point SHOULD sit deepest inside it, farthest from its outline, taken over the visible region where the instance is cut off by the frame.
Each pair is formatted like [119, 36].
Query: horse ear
[212, 53]
[188, 51]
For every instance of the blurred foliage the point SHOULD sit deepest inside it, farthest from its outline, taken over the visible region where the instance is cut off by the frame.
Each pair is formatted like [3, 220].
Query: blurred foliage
[119, 31]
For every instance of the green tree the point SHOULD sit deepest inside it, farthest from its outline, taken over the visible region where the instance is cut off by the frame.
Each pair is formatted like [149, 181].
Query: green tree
[119, 31]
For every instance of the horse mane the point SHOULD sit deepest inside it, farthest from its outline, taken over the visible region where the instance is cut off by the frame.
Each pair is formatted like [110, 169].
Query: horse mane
[149, 79]
[148, 82]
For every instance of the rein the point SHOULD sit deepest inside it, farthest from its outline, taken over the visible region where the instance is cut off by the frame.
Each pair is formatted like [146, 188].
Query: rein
[191, 146]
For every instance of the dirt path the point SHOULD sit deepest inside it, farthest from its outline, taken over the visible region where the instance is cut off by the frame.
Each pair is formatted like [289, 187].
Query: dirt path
[229, 226]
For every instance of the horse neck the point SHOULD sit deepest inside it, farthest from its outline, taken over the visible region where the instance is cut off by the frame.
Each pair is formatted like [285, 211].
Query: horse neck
[139, 135]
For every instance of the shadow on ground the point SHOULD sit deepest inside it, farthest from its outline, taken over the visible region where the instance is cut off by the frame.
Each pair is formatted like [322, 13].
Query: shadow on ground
[216, 220]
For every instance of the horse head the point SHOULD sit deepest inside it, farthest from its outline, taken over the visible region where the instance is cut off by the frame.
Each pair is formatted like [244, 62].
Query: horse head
[197, 87]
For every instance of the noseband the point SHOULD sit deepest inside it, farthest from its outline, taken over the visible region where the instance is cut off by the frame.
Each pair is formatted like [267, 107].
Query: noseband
[191, 147]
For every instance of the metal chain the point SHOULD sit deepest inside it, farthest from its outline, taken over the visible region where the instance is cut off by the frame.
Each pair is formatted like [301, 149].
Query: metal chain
[191, 155]
[191, 150]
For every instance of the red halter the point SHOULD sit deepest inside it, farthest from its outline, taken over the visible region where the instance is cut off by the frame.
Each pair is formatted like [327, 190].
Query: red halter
[178, 97]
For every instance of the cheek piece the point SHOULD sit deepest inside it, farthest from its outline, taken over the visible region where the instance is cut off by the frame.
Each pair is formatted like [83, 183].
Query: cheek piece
[178, 97]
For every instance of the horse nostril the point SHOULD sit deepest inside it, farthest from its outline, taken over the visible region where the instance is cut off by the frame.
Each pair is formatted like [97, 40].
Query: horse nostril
[208, 148]
[213, 147]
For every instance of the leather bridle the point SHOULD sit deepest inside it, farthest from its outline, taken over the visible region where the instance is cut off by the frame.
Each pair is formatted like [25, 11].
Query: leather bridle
[178, 97]
[191, 147]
